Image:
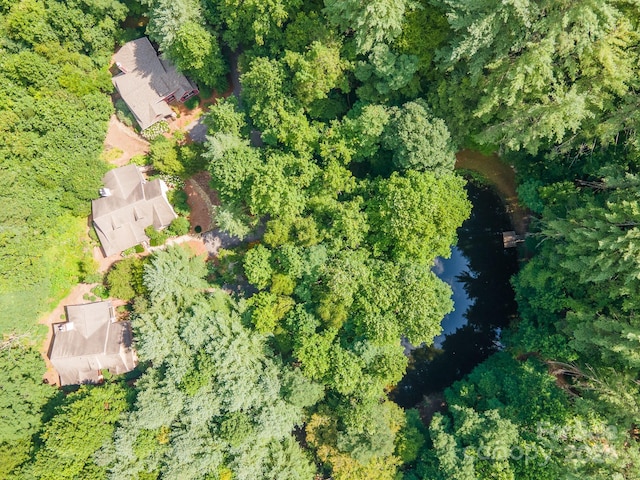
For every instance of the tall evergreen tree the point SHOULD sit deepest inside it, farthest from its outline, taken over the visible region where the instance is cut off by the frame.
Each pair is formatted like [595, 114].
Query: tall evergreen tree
[541, 73]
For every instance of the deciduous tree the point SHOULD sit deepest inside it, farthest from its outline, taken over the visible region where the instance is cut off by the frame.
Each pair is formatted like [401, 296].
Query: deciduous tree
[415, 217]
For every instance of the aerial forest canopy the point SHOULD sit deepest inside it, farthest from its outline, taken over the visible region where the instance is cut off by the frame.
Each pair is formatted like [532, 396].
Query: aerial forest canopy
[337, 152]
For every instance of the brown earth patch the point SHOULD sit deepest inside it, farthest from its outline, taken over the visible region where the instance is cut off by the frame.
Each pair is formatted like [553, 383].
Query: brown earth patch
[120, 137]
[202, 200]
[186, 116]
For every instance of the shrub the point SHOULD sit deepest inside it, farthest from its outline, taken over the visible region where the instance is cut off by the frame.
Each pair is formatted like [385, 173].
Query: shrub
[93, 235]
[192, 102]
[172, 181]
[140, 160]
[179, 135]
[155, 130]
[205, 92]
[164, 156]
[93, 278]
[191, 158]
[138, 248]
[87, 266]
[156, 238]
[100, 291]
[125, 279]
[124, 114]
[180, 226]
[178, 198]
[129, 251]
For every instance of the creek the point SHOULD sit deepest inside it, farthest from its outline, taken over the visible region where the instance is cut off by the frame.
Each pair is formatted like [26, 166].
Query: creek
[479, 272]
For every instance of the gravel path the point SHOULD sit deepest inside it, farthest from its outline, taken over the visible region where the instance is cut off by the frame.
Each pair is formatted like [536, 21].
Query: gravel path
[197, 131]
[217, 239]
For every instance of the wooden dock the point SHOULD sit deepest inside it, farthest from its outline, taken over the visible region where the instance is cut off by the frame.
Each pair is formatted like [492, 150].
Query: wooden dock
[510, 239]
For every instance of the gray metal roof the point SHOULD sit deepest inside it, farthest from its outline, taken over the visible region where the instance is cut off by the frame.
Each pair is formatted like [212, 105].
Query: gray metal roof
[132, 205]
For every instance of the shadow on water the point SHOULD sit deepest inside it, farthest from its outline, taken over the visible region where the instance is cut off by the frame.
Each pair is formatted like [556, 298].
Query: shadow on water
[479, 271]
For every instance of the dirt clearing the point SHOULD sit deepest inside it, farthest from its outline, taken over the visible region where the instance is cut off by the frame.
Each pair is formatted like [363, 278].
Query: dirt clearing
[122, 138]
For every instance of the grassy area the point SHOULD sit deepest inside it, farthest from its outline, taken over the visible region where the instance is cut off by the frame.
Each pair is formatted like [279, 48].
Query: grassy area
[59, 270]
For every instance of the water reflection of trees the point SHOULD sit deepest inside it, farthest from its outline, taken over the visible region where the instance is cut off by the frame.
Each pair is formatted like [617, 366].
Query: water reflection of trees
[493, 306]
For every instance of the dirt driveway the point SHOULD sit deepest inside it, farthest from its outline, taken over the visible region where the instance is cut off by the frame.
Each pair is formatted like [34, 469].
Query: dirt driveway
[122, 138]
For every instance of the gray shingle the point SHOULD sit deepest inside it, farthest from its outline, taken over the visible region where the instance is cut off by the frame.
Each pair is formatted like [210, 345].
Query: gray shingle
[90, 341]
[146, 81]
[133, 204]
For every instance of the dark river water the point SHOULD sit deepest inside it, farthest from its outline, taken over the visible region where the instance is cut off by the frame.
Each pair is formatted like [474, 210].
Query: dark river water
[478, 271]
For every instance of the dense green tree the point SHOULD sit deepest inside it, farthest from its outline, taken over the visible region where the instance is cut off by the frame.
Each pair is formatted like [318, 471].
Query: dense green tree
[196, 52]
[424, 30]
[418, 141]
[316, 72]
[278, 187]
[233, 220]
[384, 73]
[54, 80]
[250, 22]
[125, 279]
[224, 117]
[273, 110]
[232, 162]
[214, 400]
[583, 284]
[496, 428]
[322, 432]
[371, 23]
[257, 266]
[416, 216]
[411, 439]
[357, 194]
[268, 309]
[22, 404]
[163, 154]
[79, 428]
[541, 73]
[181, 34]
[357, 137]
[365, 432]
[166, 19]
[308, 26]
[173, 274]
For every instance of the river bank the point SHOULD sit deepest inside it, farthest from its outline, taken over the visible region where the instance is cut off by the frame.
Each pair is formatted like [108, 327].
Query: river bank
[502, 178]
[479, 272]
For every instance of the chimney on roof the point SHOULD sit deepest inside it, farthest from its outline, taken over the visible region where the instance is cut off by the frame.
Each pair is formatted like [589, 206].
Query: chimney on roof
[104, 192]
[121, 68]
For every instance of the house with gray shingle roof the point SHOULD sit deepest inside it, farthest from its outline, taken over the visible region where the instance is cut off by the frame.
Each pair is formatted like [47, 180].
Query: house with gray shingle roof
[90, 341]
[147, 82]
[129, 204]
